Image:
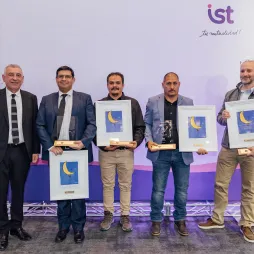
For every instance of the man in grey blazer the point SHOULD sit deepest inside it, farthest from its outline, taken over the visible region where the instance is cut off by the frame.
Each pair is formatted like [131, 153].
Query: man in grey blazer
[77, 111]
[162, 128]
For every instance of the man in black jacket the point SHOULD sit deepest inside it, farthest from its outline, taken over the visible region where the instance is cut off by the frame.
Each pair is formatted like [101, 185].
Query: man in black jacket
[19, 146]
[114, 158]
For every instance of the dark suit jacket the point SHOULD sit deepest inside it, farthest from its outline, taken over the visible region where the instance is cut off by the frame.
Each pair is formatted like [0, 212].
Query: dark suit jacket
[29, 114]
[82, 109]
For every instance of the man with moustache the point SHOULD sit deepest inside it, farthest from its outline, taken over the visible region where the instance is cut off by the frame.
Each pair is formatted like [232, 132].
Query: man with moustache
[160, 111]
[19, 146]
[114, 158]
[228, 159]
[67, 104]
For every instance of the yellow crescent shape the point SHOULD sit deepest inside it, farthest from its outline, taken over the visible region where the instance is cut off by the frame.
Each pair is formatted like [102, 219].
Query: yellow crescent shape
[243, 119]
[193, 124]
[110, 118]
[66, 171]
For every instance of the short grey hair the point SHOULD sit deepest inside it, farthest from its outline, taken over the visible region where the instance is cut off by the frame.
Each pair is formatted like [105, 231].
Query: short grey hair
[247, 59]
[12, 66]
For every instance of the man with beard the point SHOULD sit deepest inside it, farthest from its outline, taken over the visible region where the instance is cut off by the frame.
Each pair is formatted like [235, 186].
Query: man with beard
[114, 158]
[161, 114]
[228, 160]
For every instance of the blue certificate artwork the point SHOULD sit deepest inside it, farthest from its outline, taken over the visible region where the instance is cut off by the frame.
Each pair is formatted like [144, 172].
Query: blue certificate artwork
[114, 121]
[245, 121]
[197, 127]
[69, 173]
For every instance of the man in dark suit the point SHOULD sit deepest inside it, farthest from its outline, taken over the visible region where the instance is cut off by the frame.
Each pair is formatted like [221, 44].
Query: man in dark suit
[19, 146]
[69, 105]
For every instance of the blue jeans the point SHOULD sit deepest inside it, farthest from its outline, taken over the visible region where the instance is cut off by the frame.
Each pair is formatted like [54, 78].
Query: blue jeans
[181, 173]
[71, 212]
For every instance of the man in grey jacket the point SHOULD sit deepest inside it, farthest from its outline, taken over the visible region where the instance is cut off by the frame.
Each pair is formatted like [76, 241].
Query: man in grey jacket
[162, 128]
[228, 160]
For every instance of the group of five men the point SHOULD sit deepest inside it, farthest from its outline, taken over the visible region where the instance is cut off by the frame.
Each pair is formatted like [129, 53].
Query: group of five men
[24, 128]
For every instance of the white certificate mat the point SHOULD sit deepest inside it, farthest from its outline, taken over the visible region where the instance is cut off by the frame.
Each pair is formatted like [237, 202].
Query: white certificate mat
[197, 128]
[69, 175]
[241, 123]
[113, 121]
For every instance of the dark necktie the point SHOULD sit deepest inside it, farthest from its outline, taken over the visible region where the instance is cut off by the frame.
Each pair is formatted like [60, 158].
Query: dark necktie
[14, 120]
[61, 112]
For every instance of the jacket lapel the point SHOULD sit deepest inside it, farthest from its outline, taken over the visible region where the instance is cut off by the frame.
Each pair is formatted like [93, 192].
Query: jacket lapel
[55, 103]
[161, 107]
[4, 105]
[179, 103]
[74, 103]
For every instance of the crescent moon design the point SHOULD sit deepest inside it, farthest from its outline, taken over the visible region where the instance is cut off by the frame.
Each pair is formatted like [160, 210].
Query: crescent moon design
[243, 119]
[193, 124]
[110, 118]
[66, 171]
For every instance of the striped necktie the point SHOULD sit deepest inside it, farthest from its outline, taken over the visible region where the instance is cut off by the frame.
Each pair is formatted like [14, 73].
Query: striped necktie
[14, 120]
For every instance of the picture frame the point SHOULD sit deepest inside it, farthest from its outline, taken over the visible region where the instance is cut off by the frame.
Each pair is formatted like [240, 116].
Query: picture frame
[241, 123]
[197, 128]
[113, 121]
[69, 177]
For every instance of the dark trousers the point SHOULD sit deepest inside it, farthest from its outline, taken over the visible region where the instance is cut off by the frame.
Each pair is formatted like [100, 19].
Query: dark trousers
[13, 169]
[71, 212]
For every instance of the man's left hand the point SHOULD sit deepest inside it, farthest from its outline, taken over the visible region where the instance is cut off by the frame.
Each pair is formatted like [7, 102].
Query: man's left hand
[78, 145]
[133, 145]
[202, 151]
[35, 158]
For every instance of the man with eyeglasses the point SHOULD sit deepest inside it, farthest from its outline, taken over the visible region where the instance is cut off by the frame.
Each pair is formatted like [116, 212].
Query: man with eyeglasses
[120, 159]
[228, 160]
[68, 105]
[19, 146]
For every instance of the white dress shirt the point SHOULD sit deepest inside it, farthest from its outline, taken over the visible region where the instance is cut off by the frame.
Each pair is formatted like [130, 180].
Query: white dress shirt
[19, 115]
[64, 132]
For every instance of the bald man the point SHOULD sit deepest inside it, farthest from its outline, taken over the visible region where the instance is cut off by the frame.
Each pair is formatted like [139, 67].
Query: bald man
[229, 158]
[162, 128]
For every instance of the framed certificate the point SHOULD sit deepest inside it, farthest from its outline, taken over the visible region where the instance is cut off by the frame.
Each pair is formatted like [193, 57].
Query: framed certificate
[114, 121]
[197, 128]
[241, 123]
[69, 175]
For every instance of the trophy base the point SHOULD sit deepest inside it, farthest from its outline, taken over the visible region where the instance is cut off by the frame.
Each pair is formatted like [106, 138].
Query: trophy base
[243, 151]
[163, 147]
[64, 143]
[121, 143]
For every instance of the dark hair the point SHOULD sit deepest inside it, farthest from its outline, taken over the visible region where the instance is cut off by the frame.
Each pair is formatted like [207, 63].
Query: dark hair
[115, 74]
[170, 73]
[65, 68]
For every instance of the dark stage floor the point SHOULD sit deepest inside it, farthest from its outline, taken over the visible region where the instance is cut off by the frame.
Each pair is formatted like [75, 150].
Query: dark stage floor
[43, 230]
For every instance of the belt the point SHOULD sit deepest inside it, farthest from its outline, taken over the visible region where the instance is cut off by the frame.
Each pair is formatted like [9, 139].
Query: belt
[15, 145]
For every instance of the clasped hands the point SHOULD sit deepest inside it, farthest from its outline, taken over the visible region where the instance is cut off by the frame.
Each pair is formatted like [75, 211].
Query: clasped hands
[57, 150]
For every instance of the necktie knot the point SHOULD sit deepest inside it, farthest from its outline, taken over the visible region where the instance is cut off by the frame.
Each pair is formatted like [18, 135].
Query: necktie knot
[64, 95]
[13, 95]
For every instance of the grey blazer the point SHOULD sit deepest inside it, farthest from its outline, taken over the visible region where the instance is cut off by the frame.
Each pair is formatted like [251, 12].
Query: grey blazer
[154, 116]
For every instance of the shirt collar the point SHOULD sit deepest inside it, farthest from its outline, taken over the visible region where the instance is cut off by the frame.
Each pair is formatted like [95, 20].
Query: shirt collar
[249, 91]
[70, 93]
[9, 93]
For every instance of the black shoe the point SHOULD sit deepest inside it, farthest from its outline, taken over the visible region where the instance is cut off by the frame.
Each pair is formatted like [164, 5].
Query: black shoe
[20, 233]
[79, 236]
[181, 228]
[61, 235]
[3, 241]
